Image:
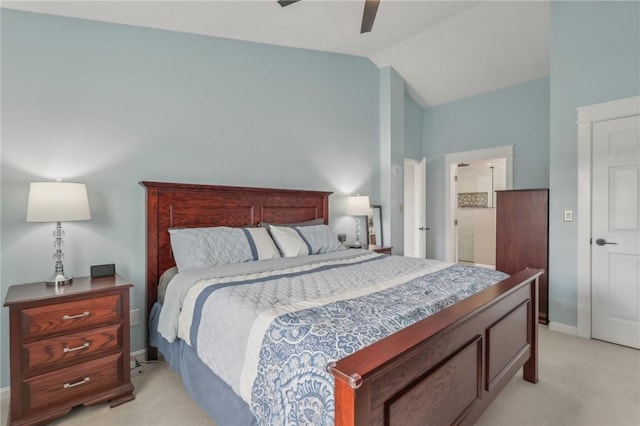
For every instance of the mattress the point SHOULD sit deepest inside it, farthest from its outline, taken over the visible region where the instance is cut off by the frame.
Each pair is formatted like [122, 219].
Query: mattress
[268, 329]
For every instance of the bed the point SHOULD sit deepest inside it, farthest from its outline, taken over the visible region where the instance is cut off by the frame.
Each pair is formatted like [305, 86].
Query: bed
[445, 368]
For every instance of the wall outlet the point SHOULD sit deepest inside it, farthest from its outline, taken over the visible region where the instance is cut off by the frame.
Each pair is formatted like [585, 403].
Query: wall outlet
[136, 367]
[134, 317]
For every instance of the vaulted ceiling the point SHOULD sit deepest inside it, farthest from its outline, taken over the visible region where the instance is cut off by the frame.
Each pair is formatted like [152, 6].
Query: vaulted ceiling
[444, 50]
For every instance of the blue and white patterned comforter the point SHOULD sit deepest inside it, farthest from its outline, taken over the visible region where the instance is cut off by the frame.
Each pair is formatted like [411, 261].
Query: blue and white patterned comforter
[269, 328]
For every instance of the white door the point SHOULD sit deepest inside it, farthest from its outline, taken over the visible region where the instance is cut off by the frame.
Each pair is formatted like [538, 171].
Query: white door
[421, 209]
[415, 208]
[615, 249]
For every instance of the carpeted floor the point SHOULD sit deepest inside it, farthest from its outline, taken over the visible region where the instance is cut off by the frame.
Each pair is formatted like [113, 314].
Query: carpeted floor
[582, 383]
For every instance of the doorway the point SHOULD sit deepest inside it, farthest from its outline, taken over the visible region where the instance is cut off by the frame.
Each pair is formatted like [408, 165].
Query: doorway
[608, 222]
[475, 222]
[504, 154]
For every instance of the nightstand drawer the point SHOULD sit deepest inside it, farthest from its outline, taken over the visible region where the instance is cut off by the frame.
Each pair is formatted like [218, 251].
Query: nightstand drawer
[64, 317]
[67, 384]
[59, 350]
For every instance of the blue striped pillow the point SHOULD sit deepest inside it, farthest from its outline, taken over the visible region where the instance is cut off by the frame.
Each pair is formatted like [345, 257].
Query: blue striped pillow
[305, 240]
[196, 248]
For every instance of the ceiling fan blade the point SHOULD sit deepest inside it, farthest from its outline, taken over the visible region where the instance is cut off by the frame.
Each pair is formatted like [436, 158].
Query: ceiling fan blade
[369, 15]
[284, 3]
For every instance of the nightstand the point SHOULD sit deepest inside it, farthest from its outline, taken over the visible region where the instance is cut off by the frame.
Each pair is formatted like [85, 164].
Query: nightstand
[380, 249]
[69, 346]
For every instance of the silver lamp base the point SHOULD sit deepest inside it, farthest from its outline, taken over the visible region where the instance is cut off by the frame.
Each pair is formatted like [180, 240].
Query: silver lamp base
[357, 243]
[58, 280]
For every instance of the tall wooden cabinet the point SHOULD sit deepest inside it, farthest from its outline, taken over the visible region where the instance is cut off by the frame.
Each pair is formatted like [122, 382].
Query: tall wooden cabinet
[522, 237]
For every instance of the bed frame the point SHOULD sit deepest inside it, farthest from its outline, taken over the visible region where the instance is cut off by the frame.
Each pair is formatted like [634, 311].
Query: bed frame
[445, 369]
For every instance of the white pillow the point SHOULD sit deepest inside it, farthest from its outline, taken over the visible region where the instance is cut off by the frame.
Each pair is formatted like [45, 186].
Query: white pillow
[289, 241]
[305, 240]
[264, 244]
[195, 248]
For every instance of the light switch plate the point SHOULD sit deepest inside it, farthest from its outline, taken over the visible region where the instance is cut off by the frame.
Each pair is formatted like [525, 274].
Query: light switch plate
[567, 215]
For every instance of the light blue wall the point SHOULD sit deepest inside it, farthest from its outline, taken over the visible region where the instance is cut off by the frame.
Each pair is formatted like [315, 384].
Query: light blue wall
[595, 57]
[111, 105]
[517, 115]
[413, 116]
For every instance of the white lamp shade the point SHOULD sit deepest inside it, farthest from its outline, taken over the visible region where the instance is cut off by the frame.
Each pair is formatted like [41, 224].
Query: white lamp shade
[57, 202]
[358, 205]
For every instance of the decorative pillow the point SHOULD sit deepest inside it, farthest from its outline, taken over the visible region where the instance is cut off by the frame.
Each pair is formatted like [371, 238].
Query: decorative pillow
[195, 248]
[305, 240]
[264, 243]
[289, 241]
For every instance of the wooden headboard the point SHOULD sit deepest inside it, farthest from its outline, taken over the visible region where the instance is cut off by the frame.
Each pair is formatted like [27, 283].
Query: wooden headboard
[179, 205]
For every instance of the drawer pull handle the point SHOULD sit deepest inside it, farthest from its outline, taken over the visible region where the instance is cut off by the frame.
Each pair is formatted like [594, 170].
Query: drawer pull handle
[84, 314]
[81, 382]
[85, 346]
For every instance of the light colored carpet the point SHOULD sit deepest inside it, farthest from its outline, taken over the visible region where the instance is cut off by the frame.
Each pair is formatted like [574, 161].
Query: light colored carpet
[582, 383]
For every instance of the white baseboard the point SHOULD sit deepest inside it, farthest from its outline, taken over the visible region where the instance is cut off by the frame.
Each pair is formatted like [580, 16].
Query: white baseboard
[563, 328]
[480, 265]
[141, 354]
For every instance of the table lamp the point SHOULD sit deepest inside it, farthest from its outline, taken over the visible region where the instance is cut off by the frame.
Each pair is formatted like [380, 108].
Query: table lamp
[358, 205]
[58, 202]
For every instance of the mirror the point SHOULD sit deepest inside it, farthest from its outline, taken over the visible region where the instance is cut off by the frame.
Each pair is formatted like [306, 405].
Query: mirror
[374, 226]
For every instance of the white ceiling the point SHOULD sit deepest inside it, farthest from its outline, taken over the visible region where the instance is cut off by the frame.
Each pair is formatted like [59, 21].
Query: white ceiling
[444, 50]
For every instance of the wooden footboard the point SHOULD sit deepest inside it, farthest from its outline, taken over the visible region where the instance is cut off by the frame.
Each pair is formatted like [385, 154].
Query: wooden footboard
[447, 368]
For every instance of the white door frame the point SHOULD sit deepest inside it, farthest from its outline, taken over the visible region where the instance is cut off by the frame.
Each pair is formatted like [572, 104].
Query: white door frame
[415, 205]
[451, 160]
[410, 220]
[588, 115]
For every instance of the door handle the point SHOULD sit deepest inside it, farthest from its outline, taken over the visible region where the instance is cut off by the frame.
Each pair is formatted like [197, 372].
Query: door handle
[602, 241]
[423, 228]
